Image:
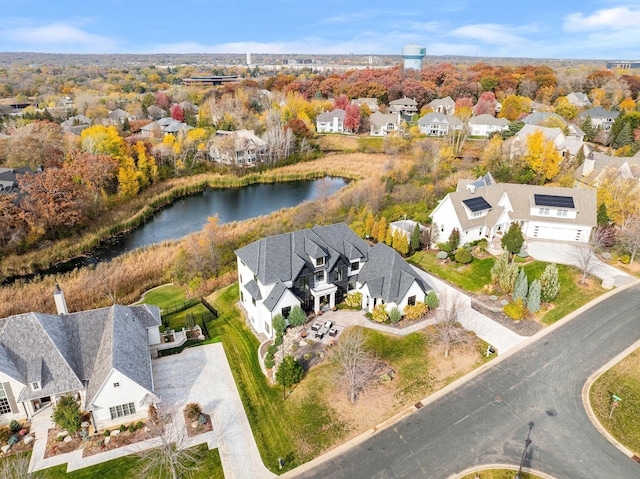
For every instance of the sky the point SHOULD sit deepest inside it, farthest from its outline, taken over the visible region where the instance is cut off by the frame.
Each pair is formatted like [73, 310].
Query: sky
[576, 29]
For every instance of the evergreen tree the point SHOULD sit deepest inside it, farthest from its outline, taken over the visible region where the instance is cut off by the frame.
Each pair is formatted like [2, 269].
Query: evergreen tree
[279, 323]
[603, 215]
[389, 237]
[454, 240]
[535, 290]
[550, 283]
[431, 300]
[589, 130]
[624, 137]
[415, 238]
[290, 371]
[521, 288]
[504, 273]
[513, 240]
[297, 316]
[580, 156]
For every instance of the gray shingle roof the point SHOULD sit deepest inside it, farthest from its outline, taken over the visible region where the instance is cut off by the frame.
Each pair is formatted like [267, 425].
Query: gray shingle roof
[388, 275]
[330, 115]
[599, 112]
[486, 119]
[379, 119]
[77, 348]
[253, 289]
[538, 117]
[274, 295]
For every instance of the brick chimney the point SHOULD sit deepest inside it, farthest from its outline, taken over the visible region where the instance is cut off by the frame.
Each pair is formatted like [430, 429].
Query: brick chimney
[61, 304]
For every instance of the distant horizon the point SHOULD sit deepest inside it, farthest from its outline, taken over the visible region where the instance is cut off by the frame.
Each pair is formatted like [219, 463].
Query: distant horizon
[569, 30]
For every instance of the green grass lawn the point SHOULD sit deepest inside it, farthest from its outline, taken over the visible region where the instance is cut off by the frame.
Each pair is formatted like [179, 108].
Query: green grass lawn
[499, 474]
[126, 468]
[471, 277]
[623, 380]
[165, 296]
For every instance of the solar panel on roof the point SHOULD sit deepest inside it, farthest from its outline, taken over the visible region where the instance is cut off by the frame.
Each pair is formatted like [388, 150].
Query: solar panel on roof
[477, 204]
[554, 201]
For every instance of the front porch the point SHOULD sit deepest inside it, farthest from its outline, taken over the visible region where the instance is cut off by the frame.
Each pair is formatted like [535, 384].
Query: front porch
[324, 297]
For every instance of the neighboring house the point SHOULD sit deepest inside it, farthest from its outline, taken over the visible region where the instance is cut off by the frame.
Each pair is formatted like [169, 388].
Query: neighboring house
[579, 99]
[330, 121]
[443, 105]
[76, 124]
[315, 268]
[406, 107]
[486, 125]
[600, 118]
[406, 227]
[382, 124]
[9, 178]
[568, 146]
[596, 165]
[372, 103]
[540, 117]
[164, 126]
[486, 209]
[117, 117]
[240, 147]
[439, 124]
[101, 357]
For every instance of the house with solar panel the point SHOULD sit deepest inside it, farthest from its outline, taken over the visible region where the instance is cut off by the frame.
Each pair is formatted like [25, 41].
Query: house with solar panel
[485, 209]
[101, 357]
[315, 268]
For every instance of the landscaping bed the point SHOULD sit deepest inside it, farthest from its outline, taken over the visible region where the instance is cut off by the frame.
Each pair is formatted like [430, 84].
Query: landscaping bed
[198, 426]
[15, 438]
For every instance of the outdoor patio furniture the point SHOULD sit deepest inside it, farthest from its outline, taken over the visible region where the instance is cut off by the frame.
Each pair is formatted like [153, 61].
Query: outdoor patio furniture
[333, 332]
[315, 326]
[328, 324]
[319, 334]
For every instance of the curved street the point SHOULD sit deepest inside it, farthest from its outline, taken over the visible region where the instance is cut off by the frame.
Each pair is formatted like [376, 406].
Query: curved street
[487, 419]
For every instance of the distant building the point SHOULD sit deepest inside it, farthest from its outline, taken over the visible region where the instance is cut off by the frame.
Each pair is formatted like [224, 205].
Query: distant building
[623, 65]
[413, 55]
[330, 121]
[209, 80]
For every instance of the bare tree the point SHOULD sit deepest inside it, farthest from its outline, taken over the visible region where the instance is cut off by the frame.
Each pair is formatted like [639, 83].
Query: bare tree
[173, 458]
[584, 256]
[629, 236]
[357, 362]
[449, 332]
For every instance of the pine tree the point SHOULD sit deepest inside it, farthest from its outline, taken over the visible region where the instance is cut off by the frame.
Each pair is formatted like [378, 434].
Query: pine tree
[375, 229]
[521, 287]
[589, 130]
[454, 240]
[513, 240]
[415, 238]
[401, 244]
[603, 215]
[550, 283]
[533, 302]
[624, 137]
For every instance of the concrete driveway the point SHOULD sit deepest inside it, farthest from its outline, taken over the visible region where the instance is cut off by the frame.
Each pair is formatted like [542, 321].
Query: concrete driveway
[203, 375]
[564, 253]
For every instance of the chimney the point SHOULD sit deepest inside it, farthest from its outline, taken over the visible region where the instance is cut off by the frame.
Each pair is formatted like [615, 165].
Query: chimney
[471, 187]
[61, 304]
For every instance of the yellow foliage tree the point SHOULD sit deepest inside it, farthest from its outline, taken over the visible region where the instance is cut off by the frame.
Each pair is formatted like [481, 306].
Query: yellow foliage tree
[620, 195]
[382, 230]
[542, 156]
[513, 106]
[128, 178]
[628, 105]
[99, 139]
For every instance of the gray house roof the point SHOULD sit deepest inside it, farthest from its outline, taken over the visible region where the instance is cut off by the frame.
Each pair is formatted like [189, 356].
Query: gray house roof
[538, 117]
[599, 112]
[330, 115]
[486, 119]
[388, 275]
[283, 257]
[70, 352]
[379, 119]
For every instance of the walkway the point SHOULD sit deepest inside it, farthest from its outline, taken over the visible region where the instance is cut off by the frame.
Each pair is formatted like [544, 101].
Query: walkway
[199, 375]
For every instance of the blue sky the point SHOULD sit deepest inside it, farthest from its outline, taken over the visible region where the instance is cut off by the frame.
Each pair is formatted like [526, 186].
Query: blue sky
[603, 29]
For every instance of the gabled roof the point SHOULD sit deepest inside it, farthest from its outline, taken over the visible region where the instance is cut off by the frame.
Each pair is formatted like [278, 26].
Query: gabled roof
[379, 119]
[486, 119]
[67, 352]
[538, 117]
[274, 295]
[437, 117]
[330, 115]
[387, 275]
[404, 101]
[600, 113]
[446, 102]
[550, 134]
[283, 257]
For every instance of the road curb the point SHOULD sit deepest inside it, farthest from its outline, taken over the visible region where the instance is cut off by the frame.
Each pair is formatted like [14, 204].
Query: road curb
[586, 403]
[485, 467]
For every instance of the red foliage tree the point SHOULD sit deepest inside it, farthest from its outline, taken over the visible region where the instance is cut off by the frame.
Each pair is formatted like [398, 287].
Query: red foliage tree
[486, 104]
[341, 102]
[352, 118]
[298, 127]
[177, 113]
[162, 99]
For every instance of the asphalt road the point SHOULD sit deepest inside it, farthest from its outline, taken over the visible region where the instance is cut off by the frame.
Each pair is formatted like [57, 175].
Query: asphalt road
[486, 420]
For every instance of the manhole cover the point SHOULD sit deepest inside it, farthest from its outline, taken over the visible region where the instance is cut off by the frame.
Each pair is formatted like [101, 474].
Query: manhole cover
[498, 399]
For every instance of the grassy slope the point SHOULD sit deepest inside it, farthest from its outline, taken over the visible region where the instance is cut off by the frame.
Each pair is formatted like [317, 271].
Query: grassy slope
[623, 380]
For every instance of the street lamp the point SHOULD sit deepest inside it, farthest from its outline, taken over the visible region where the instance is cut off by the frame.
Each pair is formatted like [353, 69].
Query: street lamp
[527, 443]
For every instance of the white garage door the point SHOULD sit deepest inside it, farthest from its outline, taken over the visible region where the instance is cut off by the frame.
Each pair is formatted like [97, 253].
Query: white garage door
[556, 233]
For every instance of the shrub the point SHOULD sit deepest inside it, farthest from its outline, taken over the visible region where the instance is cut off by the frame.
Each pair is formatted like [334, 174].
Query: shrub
[268, 356]
[354, 300]
[290, 371]
[550, 283]
[533, 302]
[278, 340]
[66, 414]
[521, 288]
[13, 440]
[416, 311]
[14, 426]
[201, 420]
[272, 349]
[193, 410]
[297, 316]
[625, 259]
[446, 247]
[380, 314]
[5, 434]
[139, 425]
[513, 240]
[463, 256]
[269, 363]
[442, 254]
[107, 432]
[122, 428]
[131, 428]
[395, 315]
[516, 310]
[279, 323]
[454, 240]
[431, 300]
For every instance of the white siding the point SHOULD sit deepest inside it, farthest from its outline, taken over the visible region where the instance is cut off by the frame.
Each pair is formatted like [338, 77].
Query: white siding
[109, 395]
[445, 217]
[556, 231]
[414, 290]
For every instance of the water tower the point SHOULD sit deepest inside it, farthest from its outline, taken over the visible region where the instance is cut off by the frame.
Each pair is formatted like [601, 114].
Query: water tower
[413, 55]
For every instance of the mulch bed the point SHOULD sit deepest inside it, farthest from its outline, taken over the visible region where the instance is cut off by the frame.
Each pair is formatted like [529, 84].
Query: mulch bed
[193, 429]
[493, 310]
[20, 446]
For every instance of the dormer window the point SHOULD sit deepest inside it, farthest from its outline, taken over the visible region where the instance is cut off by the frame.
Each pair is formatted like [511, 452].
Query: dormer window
[320, 261]
[35, 385]
[355, 265]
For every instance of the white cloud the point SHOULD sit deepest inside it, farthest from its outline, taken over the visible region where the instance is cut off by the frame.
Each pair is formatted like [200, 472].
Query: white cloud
[56, 37]
[491, 33]
[609, 18]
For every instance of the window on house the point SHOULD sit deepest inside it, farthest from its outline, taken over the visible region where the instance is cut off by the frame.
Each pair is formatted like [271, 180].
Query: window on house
[255, 278]
[5, 408]
[241, 296]
[355, 265]
[122, 410]
[411, 301]
[303, 284]
[319, 276]
[253, 300]
[320, 261]
[286, 311]
[338, 275]
[116, 385]
[35, 386]
[543, 211]
[563, 213]
[351, 285]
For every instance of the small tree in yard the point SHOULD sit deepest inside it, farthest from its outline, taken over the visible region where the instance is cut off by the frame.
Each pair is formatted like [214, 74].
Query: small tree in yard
[521, 288]
[279, 323]
[415, 238]
[533, 302]
[395, 315]
[431, 300]
[549, 283]
[297, 316]
[513, 240]
[454, 240]
[357, 364]
[504, 273]
[67, 415]
[585, 258]
[629, 236]
[417, 311]
[449, 332]
[290, 371]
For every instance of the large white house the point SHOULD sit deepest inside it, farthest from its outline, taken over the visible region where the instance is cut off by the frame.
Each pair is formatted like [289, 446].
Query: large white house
[486, 125]
[485, 209]
[240, 147]
[101, 357]
[330, 121]
[315, 268]
[383, 124]
[439, 124]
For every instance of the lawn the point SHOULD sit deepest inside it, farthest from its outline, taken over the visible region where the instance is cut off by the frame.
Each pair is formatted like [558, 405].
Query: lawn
[125, 467]
[623, 380]
[499, 474]
[477, 274]
[165, 296]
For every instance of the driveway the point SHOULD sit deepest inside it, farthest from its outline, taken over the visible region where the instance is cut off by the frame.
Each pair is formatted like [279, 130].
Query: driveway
[564, 253]
[203, 375]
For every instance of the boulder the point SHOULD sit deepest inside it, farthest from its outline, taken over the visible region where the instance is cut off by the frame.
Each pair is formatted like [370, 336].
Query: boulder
[115, 432]
[63, 434]
[29, 439]
[5, 448]
[107, 439]
[67, 439]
